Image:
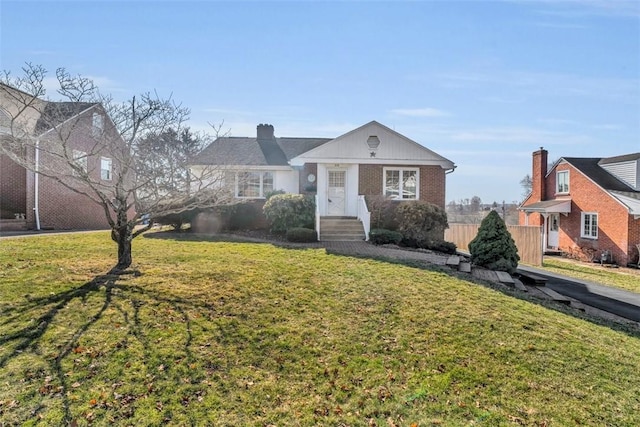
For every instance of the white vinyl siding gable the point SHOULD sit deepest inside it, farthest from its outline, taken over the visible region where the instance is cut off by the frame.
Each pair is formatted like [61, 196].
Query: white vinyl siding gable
[627, 172]
[589, 225]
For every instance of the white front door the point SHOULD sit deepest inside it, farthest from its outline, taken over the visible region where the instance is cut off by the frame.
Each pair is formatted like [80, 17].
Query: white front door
[336, 192]
[553, 239]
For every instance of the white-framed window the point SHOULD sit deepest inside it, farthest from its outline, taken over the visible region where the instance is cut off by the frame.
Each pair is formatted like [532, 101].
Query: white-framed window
[562, 182]
[589, 225]
[97, 122]
[401, 183]
[253, 184]
[105, 169]
[80, 160]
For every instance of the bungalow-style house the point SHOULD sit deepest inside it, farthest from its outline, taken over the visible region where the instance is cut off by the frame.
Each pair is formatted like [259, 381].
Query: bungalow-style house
[587, 206]
[35, 201]
[372, 160]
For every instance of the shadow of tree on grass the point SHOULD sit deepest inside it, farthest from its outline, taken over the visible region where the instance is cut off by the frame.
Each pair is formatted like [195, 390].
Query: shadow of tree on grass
[43, 350]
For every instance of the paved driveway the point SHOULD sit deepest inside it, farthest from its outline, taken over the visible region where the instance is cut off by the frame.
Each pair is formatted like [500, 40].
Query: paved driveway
[617, 301]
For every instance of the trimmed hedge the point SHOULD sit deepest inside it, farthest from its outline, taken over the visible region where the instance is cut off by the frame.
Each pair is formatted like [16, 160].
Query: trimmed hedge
[302, 235]
[381, 236]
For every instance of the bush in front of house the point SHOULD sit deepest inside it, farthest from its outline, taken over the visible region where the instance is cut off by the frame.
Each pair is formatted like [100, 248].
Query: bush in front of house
[272, 193]
[302, 235]
[175, 220]
[493, 247]
[382, 236]
[247, 215]
[421, 223]
[285, 211]
[443, 246]
[383, 212]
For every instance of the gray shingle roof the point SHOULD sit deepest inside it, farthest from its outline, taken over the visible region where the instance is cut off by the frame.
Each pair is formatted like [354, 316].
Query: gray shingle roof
[591, 168]
[232, 151]
[293, 147]
[251, 152]
[618, 159]
[55, 113]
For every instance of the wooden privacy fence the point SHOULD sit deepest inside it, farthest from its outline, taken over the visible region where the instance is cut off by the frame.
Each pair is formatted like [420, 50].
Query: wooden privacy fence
[528, 239]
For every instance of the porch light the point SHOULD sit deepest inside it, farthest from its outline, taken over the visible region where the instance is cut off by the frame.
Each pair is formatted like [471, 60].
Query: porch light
[373, 142]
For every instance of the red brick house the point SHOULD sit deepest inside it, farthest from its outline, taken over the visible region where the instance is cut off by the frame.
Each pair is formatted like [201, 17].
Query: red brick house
[36, 201]
[587, 206]
[371, 160]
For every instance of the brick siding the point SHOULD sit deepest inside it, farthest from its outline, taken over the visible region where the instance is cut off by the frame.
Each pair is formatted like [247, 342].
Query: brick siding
[618, 232]
[13, 187]
[59, 207]
[432, 182]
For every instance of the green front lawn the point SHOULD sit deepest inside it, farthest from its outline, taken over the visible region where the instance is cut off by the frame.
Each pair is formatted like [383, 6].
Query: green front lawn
[215, 333]
[623, 278]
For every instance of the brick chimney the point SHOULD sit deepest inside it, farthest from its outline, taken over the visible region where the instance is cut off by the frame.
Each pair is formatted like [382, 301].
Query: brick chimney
[539, 172]
[265, 132]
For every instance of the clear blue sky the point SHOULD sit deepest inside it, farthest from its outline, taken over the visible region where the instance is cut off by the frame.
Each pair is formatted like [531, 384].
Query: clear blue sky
[484, 83]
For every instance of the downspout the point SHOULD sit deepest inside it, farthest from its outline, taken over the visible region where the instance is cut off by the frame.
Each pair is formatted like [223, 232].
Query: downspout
[36, 180]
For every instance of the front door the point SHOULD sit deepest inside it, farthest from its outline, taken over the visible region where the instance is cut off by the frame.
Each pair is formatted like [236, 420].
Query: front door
[336, 192]
[553, 239]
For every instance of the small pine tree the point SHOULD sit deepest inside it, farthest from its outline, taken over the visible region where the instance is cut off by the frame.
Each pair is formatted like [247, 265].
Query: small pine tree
[494, 247]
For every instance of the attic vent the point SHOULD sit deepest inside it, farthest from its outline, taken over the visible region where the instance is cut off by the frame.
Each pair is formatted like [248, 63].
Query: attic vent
[373, 142]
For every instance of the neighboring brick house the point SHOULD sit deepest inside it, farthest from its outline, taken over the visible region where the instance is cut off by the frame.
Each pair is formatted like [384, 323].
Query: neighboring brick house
[30, 200]
[587, 206]
[372, 160]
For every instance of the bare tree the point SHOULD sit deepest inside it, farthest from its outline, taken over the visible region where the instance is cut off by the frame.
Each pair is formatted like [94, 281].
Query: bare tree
[526, 183]
[144, 182]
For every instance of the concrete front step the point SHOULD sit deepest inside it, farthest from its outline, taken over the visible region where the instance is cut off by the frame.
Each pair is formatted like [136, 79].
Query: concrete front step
[341, 238]
[341, 229]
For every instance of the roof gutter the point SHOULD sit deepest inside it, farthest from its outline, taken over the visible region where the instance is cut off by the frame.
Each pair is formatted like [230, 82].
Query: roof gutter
[448, 171]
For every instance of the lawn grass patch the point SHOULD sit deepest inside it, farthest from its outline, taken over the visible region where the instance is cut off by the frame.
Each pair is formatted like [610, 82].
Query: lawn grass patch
[623, 278]
[220, 333]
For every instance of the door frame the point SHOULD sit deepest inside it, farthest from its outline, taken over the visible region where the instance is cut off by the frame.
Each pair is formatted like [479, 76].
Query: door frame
[344, 205]
[553, 227]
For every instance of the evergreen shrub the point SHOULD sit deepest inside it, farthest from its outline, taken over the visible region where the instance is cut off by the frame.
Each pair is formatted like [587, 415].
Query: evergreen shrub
[285, 211]
[421, 223]
[382, 236]
[493, 247]
[443, 246]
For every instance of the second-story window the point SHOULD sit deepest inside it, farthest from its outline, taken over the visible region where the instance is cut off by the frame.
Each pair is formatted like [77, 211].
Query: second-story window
[562, 182]
[97, 124]
[105, 169]
[80, 161]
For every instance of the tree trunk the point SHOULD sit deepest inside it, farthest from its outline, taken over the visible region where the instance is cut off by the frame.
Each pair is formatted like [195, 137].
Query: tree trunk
[122, 236]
